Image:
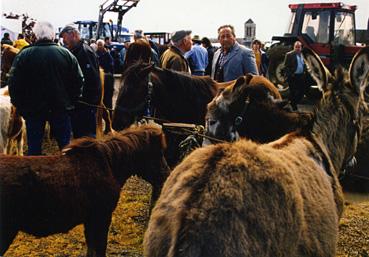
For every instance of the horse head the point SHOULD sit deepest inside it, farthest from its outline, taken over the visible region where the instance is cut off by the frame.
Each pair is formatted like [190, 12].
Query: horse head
[147, 143]
[134, 95]
[235, 108]
[338, 119]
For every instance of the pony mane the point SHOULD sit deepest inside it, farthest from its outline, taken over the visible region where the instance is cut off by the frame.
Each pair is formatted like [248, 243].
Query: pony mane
[196, 84]
[190, 86]
[129, 141]
[133, 72]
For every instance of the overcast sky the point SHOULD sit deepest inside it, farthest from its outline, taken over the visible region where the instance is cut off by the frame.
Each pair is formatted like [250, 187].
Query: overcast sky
[203, 17]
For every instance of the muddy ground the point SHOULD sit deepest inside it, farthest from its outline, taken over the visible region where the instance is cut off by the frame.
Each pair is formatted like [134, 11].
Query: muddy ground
[131, 216]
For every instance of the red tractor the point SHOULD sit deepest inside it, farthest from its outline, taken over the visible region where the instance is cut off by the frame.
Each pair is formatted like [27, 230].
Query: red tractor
[327, 28]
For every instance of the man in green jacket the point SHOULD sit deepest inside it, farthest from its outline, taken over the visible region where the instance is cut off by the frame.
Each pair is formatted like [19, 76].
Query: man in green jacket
[44, 84]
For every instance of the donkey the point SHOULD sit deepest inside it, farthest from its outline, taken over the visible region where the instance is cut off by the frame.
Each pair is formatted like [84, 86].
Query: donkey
[279, 199]
[43, 195]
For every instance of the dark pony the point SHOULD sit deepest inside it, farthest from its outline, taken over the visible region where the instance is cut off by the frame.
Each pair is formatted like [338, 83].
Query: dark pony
[279, 199]
[167, 94]
[43, 195]
[175, 96]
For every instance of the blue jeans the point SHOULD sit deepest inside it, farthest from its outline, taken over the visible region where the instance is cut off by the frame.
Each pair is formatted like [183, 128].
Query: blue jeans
[60, 128]
[83, 121]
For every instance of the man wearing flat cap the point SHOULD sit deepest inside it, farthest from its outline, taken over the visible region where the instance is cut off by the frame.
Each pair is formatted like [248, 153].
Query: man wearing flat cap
[173, 58]
[83, 118]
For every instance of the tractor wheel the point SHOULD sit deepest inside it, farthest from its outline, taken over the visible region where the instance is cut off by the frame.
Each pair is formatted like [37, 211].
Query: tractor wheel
[275, 70]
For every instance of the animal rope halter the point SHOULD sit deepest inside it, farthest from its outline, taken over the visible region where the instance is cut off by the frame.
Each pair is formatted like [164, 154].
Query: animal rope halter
[146, 103]
[239, 119]
[150, 89]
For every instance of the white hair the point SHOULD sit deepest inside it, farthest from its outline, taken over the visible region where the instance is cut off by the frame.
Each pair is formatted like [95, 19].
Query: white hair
[100, 42]
[44, 30]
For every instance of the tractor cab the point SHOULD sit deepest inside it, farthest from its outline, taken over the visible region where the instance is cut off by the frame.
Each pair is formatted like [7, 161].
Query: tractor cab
[326, 28]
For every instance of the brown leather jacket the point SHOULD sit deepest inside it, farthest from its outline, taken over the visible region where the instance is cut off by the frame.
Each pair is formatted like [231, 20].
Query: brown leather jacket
[173, 59]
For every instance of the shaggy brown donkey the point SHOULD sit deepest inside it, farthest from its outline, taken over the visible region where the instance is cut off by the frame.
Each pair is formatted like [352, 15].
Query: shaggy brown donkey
[52, 194]
[272, 200]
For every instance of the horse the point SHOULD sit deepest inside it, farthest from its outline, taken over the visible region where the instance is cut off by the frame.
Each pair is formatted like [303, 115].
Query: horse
[170, 95]
[12, 126]
[251, 108]
[43, 195]
[7, 57]
[277, 199]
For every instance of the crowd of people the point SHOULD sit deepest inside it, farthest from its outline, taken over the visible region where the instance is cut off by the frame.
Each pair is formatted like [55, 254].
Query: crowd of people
[62, 85]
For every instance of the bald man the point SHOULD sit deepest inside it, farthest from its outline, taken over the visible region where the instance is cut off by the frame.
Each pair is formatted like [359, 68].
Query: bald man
[296, 71]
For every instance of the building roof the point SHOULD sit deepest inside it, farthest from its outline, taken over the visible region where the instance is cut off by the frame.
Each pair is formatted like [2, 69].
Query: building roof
[249, 21]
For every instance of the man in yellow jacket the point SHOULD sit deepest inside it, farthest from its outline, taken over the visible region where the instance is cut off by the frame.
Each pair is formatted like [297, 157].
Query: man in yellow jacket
[20, 42]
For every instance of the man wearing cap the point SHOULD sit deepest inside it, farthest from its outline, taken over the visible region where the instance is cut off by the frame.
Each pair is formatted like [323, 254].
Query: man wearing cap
[44, 84]
[173, 58]
[232, 60]
[197, 57]
[84, 116]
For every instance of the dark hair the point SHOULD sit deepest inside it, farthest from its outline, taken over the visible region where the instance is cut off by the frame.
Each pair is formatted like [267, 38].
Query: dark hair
[140, 50]
[6, 35]
[256, 42]
[227, 26]
[206, 42]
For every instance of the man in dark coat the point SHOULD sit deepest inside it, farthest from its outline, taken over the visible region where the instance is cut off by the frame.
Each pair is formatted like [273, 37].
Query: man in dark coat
[173, 58]
[296, 71]
[6, 39]
[45, 82]
[84, 116]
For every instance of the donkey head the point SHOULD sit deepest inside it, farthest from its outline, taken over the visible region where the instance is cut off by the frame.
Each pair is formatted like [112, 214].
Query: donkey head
[338, 118]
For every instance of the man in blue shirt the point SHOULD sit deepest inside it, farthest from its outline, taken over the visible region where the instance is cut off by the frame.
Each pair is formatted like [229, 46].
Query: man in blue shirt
[197, 57]
[295, 70]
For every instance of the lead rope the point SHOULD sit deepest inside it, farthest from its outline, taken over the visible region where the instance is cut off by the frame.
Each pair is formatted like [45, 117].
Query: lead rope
[150, 89]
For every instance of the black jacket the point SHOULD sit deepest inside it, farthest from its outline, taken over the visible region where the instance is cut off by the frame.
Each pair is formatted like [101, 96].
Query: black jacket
[290, 63]
[87, 60]
[44, 77]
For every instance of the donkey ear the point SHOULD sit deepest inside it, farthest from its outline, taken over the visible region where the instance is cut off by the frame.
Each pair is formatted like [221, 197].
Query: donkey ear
[316, 68]
[359, 69]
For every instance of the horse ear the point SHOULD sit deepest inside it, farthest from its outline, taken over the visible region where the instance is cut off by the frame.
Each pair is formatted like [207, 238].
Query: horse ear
[248, 78]
[147, 67]
[316, 68]
[359, 70]
[281, 103]
[239, 82]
